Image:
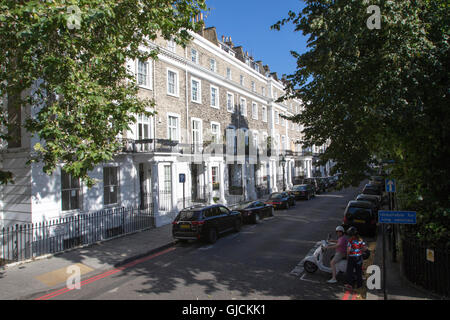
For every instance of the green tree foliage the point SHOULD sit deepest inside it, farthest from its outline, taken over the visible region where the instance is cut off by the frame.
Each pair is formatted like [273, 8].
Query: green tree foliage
[380, 94]
[67, 67]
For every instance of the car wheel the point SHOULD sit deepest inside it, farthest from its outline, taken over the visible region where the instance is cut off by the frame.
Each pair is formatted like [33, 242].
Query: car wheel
[310, 267]
[237, 225]
[212, 235]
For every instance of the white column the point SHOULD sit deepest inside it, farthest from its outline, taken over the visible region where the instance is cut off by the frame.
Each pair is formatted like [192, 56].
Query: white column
[221, 179]
[209, 182]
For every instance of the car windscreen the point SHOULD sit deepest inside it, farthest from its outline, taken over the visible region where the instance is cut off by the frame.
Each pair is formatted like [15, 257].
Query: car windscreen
[373, 200]
[299, 188]
[188, 215]
[276, 196]
[242, 205]
[356, 212]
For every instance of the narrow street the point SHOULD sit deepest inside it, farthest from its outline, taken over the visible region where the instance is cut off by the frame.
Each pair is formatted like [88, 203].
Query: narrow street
[252, 264]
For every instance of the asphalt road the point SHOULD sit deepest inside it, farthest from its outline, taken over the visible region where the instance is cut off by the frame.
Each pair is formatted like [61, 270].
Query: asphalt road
[253, 264]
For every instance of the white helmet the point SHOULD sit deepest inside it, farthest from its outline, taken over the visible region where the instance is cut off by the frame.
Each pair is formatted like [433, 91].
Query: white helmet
[340, 228]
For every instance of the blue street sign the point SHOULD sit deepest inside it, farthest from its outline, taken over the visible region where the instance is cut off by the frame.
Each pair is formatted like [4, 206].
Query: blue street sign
[182, 178]
[401, 217]
[390, 185]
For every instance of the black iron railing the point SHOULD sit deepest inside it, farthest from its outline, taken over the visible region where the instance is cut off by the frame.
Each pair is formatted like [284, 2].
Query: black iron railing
[429, 274]
[27, 241]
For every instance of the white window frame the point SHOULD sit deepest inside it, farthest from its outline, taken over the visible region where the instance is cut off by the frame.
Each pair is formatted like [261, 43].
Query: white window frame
[216, 134]
[243, 106]
[254, 111]
[241, 80]
[149, 84]
[263, 91]
[232, 102]
[212, 65]
[177, 85]
[200, 129]
[193, 50]
[253, 86]
[174, 115]
[199, 90]
[277, 117]
[171, 45]
[217, 101]
[264, 113]
[140, 120]
[255, 137]
[73, 191]
[112, 185]
[229, 74]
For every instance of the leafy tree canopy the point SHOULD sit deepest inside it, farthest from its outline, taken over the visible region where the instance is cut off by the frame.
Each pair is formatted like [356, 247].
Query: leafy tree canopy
[65, 60]
[380, 94]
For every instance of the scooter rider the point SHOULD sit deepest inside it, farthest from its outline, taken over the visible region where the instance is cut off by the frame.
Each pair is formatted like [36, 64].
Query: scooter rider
[341, 251]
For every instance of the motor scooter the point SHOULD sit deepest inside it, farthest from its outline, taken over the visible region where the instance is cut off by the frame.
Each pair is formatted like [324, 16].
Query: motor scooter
[320, 260]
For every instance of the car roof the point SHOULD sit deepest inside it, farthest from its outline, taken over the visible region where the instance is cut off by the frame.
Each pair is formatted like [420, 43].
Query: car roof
[367, 196]
[202, 207]
[359, 204]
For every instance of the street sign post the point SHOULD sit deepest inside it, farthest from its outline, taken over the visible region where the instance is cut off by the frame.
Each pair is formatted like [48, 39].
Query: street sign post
[393, 217]
[390, 185]
[182, 179]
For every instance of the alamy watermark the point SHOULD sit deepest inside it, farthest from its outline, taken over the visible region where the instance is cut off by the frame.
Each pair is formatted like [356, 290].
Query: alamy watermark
[374, 280]
[374, 21]
[73, 17]
[74, 280]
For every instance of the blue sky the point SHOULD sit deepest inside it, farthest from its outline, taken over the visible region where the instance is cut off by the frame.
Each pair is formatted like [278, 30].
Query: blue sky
[248, 23]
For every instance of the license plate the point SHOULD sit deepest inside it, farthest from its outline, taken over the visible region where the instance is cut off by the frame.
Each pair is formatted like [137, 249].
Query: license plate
[185, 226]
[359, 221]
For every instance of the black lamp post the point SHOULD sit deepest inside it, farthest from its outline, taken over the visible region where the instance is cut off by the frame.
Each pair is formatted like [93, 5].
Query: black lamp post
[283, 163]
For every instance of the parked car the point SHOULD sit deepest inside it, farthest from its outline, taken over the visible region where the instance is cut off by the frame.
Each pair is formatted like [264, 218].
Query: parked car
[371, 198]
[374, 190]
[362, 216]
[302, 191]
[280, 200]
[377, 180]
[314, 183]
[254, 211]
[333, 181]
[205, 222]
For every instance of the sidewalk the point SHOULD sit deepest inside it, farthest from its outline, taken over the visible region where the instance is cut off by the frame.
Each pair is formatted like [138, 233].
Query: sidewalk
[397, 287]
[24, 279]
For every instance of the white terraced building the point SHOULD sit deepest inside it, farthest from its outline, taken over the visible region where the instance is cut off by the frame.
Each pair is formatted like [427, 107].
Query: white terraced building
[208, 95]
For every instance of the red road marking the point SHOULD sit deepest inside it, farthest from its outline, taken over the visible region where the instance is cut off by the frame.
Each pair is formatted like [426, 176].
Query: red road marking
[346, 295]
[103, 275]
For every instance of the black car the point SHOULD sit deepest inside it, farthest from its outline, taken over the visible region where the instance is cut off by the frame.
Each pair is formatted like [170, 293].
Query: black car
[302, 191]
[362, 216]
[254, 211]
[367, 197]
[374, 190]
[280, 200]
[377, 180]
[314, 183]
[205, 222]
